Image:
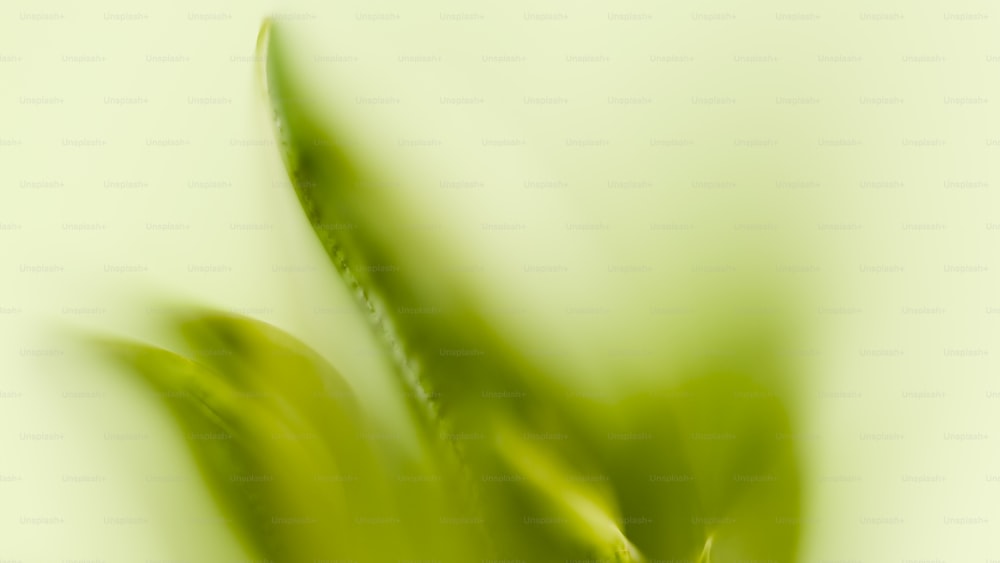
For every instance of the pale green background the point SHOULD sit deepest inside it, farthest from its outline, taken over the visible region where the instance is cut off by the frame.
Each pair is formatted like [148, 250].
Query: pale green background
[833, 161]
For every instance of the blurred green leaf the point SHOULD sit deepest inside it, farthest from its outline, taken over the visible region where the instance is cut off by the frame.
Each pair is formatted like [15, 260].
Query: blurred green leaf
[280, 488]
[673, 493]
[284, 449]
[707, 466]
[700, 465]
[456, 365]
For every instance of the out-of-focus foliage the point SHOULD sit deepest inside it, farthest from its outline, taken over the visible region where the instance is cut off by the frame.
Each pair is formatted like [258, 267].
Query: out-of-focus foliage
[699, 467]
[281, 443]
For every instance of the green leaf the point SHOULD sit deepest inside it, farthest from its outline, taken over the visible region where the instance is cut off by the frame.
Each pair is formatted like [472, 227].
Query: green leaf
[526, 457]
[255, 471]
[453, 362]
[277, 437]
[286, 451]
[708, 467]
[588, 511]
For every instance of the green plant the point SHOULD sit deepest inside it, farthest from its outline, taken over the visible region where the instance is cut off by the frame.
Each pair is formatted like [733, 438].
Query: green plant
[693, 468]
